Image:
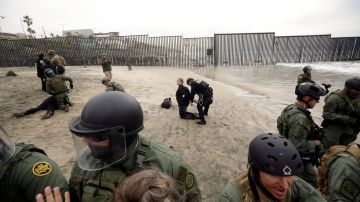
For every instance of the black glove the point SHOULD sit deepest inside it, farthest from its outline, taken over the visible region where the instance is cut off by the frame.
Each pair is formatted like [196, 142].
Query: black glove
[71, 86]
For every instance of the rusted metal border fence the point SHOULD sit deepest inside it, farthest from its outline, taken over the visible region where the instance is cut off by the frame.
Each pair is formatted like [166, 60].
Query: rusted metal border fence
[238, 49]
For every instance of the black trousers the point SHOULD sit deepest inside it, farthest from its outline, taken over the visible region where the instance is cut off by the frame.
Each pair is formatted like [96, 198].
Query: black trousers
[48, 104]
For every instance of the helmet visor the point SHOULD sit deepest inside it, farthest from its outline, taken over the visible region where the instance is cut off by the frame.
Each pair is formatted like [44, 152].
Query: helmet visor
[7, 148]
[96, 151]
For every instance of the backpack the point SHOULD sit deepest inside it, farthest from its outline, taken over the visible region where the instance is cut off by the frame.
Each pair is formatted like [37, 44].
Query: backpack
[166, 103]
[208, 92]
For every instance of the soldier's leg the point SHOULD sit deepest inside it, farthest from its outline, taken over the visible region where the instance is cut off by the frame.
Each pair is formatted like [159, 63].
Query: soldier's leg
[60, 101]
[107, 74]
[201, 114]
[43, 84]
[42, 106]
[309, 174]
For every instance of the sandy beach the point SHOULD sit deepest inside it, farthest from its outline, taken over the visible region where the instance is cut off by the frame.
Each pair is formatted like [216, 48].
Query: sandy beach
[247, 102]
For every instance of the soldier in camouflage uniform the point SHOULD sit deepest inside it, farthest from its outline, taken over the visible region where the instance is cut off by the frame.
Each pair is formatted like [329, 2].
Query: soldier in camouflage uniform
[341, 114]
[109, 148]
[105, 62]
[111, 85]
[306, 76]
[25, 171]
[339, 173]
[55, 86]
[296, 124]
[273, 162]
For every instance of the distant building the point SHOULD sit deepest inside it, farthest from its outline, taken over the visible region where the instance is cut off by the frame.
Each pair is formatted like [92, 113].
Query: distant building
[78, 32]
[4, 35]
[109, 34]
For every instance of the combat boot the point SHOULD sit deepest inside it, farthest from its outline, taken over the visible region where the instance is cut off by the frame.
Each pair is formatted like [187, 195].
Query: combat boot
[18, 115]
[65, 108]
[47, 115]
[201, 122]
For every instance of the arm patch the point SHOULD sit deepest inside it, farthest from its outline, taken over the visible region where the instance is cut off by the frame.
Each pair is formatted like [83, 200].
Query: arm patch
[349, 189]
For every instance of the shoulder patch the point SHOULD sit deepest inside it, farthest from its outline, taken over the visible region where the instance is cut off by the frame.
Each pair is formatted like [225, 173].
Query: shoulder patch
[41, 168]
[189, 181]
[349, 189]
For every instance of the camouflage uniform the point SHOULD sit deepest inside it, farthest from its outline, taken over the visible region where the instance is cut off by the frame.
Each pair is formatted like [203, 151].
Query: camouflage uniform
[339, 173]
[339, 123]
[113, 86]
[295, 124]
[99, 185]
[302, 78]
[27, 173]
[239, 190]
[106, 65]
[56, 86]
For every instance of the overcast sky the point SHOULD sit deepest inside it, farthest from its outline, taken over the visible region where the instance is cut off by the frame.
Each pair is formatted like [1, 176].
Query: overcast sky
[189, 18]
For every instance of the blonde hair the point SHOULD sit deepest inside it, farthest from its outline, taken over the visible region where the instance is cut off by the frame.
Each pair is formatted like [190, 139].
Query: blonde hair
[149, 186]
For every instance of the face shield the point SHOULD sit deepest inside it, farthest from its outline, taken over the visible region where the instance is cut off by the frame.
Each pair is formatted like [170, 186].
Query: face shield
[7, 148]
[99, 150]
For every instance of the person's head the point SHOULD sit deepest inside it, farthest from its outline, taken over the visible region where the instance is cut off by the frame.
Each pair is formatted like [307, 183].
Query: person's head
[49, 73]
[307, 69]
[107, 129]
[150, 186]
[309, 94]
[41, 56]
[47, 60]
[189, 81]
[352, 87]
[51, 53]
[105, 80]
[7, 148]
[103, 55]
[274, 161]
[180, 81]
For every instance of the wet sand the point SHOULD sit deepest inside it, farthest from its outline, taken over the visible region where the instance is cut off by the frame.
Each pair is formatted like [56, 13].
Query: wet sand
[247, 101]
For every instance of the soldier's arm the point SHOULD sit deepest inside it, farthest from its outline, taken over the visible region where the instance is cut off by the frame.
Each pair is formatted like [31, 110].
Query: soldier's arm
[302, 191]
[187, 180]
[299, 129]
[332, 104]
[66, 78]
[36, 172]
[231, 193]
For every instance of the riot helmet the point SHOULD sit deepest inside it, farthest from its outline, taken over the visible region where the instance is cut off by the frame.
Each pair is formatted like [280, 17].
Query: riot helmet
[49, 73]
[353, 83]
[309, 89]
[113, 118]
[307, 69]
[274, 155]
[105, 80]
[189, 80]
[7, 148]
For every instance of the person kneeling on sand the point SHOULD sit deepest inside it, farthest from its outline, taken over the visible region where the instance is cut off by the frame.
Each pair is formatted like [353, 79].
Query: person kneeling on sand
[111, 85]
[183, 100]
[273, 162]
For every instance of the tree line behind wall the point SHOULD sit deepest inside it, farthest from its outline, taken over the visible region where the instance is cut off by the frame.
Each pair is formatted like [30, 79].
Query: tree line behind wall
[243, 49]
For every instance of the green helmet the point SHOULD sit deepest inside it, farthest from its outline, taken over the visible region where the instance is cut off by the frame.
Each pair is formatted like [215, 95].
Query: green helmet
[309, 89]
[49, 73]
[353, 83]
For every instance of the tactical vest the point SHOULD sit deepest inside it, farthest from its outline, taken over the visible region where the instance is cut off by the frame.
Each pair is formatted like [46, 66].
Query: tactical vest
[58, 85]
[243, 184]
[282, 121]
[7, 190]
[323, 169]
[101, 187]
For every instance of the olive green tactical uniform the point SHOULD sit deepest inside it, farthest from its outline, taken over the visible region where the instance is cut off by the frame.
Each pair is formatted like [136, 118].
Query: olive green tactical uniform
[56, 86]
[338, 120]
[296, 125]
[106, 66]
[239, 190]
[113, 86]
[303, 78]
[27, 173]
[339, 173]
[99, 185]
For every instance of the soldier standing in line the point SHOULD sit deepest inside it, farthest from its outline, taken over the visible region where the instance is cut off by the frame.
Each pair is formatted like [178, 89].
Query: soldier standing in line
[109, 148]
[105, 62]
[112, 85]
[296, 124]
[339, 173]
[306, 76]
[25, 171]
[273, 162]
[341, 115]
[55, 86]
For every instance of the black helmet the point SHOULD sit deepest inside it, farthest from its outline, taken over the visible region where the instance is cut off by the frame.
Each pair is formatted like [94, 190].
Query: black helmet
[46, 60]
[306, 69]
[49, 73]
[189, 80]
[309, 89]
[353, 83]
[109, 110]
[274, 155]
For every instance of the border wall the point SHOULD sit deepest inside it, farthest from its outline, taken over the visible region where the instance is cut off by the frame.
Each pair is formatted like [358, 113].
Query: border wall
[238, 49]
